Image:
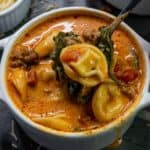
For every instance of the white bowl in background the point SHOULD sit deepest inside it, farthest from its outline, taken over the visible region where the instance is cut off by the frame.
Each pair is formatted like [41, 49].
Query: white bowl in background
[13, 15]
[143, 8]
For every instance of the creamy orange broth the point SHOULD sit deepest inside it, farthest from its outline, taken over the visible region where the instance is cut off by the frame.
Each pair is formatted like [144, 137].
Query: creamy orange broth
[40, 103]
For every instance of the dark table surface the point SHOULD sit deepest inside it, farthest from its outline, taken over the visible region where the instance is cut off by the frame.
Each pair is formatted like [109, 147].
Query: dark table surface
[136, 138]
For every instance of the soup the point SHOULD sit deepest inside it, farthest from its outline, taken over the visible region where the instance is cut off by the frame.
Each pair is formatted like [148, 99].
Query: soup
[63, 75]
[4, 4]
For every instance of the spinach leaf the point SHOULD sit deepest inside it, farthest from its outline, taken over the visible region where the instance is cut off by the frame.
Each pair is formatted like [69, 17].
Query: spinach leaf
[74, 88]
[60, 44]
[104, 42]
[61, 41]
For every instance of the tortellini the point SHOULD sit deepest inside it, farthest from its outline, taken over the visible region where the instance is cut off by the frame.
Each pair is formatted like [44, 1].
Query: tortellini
[46, 45]
[56, 122]
[108, 102]
[45, 72]
[18, 78]
[85, 64]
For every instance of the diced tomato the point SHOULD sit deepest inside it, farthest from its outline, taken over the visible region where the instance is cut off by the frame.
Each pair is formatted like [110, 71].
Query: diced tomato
[128, 75]
[70, 56]
[31, 78]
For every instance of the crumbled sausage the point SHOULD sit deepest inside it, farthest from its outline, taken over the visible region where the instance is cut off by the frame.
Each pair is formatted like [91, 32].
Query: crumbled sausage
[24, 58]
[17, 63]
[31, 78]
[73, 40]
[90, 35]
[128, 91]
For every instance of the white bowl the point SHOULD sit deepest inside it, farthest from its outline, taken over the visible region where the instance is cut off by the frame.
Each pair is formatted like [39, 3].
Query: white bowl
[86, 140]
[13, 15]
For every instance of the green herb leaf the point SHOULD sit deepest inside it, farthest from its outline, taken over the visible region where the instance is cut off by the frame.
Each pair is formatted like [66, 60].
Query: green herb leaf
[104, 42]
[74, 88]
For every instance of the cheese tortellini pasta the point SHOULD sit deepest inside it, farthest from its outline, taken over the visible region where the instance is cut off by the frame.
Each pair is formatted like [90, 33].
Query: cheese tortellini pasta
[19, 81]
[108, 102]
[56, 122]
[85, 64]
[46, 45]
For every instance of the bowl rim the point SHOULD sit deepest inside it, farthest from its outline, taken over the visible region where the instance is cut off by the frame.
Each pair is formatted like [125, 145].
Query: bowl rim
[119, 122]
[11, 8]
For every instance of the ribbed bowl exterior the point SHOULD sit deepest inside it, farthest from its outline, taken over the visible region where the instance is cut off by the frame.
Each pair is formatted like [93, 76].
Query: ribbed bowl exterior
[12, 18]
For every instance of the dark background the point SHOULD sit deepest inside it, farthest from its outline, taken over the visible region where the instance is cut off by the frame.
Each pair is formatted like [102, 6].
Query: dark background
[13, 138]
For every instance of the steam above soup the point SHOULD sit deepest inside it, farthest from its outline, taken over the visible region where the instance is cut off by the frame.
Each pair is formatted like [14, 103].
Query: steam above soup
[63, 74]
